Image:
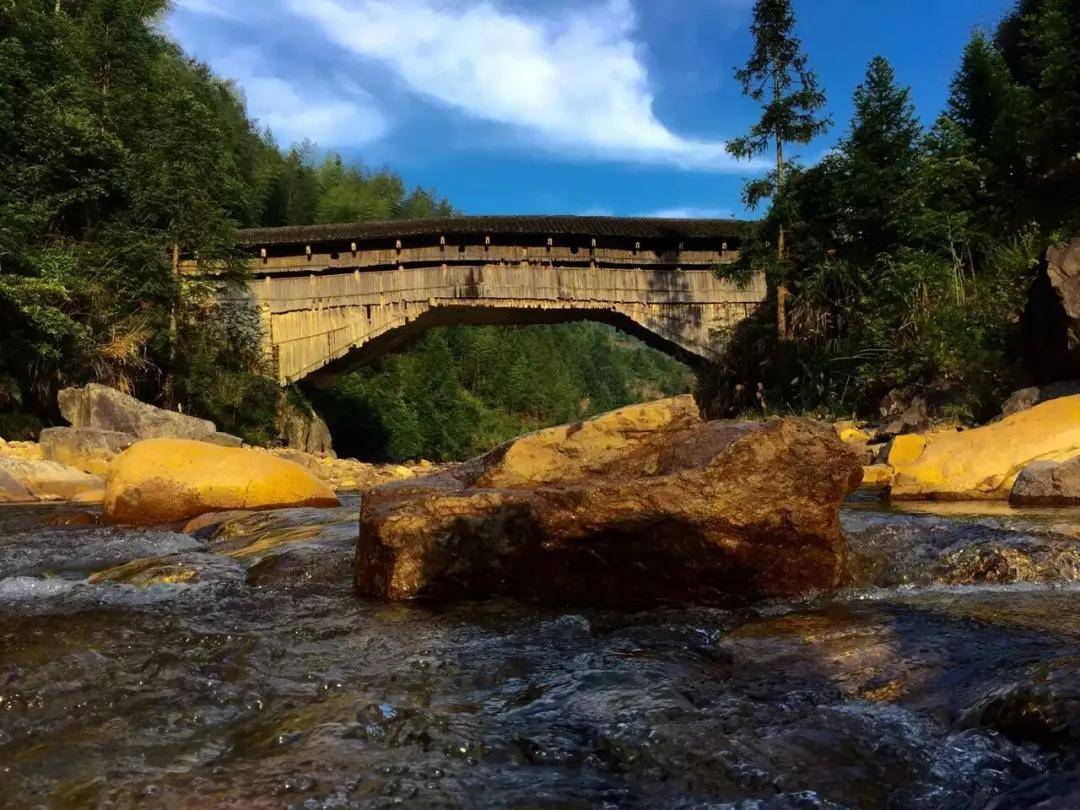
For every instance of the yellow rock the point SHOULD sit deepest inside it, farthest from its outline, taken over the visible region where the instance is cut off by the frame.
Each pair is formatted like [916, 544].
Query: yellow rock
[983, 463]
[572, 451]
[26, 451]
[877, 476]
[851, 433]
[905, 449]
[163, 480]
[90, 496]
[25, 481]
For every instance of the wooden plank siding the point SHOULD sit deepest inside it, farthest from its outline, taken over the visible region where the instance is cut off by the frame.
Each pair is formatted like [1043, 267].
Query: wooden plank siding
[322, 302]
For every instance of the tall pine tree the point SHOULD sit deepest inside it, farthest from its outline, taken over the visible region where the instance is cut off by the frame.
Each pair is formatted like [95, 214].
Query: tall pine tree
[881, 153]
[778, 77]
[991, 110]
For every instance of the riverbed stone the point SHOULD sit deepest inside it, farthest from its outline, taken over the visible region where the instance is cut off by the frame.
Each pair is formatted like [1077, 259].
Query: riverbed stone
[86, 449]
[877, 476]
[27, 481]
[645, 503]
[104, 408]
[164, 480]
[350, 475]
[27, 451]
[905, 449]
[1048, 483]
[984, 463]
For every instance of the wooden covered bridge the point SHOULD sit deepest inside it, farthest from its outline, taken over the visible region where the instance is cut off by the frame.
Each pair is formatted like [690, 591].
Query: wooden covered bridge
[332, 297]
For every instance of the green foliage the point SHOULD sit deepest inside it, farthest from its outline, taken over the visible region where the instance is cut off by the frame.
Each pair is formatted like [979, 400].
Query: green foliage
[911, 253]
[463, 390]
[113, 148]
[777, 76]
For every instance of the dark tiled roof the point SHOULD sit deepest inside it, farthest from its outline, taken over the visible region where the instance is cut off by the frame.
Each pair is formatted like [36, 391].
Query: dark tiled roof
[642, 227]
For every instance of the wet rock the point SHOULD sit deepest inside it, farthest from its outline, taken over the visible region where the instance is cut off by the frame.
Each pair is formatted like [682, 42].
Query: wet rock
[72, 519]
[284, 547]
[1042, 707]
[644, 503]
[984, 463]
[29, 481]
[104, 408]
[1048, 483]
[1030, 397]
[86, 449]
[162, 480]
[889, 550]
[1052, 791]
[79, 551]
[180, 569]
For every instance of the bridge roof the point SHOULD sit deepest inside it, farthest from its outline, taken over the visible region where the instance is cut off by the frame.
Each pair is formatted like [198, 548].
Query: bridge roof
[632, 227]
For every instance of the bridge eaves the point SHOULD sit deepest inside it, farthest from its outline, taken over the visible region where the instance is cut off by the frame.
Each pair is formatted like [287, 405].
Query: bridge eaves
[574, 226]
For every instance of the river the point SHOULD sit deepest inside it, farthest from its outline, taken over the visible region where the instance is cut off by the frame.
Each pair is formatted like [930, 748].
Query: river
[241, 671]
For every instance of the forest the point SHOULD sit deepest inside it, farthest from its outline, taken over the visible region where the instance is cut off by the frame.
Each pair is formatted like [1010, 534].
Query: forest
[902, 260]
[116, 148]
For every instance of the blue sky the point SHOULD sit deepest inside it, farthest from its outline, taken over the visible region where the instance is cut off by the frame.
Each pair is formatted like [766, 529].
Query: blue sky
[554, 106]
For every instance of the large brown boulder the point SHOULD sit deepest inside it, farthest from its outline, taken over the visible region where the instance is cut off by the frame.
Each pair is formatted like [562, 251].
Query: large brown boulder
[645, 503]
[1063, 269]
[104, 408]
[1052, 320]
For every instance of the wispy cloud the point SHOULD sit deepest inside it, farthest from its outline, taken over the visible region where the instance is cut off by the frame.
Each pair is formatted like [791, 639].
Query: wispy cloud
[210, 8]
[573, 82]
[341, 113]
[691, 212]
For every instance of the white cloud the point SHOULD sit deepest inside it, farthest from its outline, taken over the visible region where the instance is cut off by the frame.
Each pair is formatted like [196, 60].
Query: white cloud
[346, 115]
[691, 212]
[206, 7]
[573, 82]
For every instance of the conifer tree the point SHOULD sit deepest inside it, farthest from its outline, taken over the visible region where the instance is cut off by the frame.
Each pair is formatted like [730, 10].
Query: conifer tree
[881, 152]
[778, 77]
[991, 110]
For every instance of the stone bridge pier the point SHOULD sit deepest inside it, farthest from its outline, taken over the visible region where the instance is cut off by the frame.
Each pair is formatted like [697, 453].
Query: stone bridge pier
[335, 297]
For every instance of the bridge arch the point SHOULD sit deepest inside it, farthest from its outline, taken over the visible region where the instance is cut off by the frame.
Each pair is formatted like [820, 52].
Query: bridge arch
[336, 296]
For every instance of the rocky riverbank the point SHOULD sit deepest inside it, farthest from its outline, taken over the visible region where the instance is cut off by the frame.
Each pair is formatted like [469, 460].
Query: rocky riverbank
[76, 463]
[1030, 455]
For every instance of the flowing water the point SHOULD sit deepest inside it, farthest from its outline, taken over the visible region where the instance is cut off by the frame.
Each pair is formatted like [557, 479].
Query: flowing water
[235, 668]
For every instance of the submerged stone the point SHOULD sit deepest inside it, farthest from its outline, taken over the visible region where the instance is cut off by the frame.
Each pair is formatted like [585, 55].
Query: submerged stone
[644, 503]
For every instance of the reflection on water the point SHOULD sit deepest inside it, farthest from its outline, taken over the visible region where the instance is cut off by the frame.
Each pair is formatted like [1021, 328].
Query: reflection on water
[236, 668]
